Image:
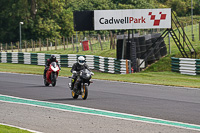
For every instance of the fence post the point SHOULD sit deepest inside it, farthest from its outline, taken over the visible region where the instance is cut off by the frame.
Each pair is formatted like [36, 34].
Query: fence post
[6, 47]
[18, 46]
[64, 42]
[67, 41]
[55, 44]
[40, 44]
[114, 44]
[111, 40]
[90, 43]
[92, 39]
[11, 46]
[47, 44]
[100, 41]
[183, 35]
[32, 44]
[25, 47]
[73, 42]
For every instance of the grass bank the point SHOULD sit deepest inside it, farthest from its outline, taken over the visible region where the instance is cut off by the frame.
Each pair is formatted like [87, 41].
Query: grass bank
[159, 78]
[8, 129]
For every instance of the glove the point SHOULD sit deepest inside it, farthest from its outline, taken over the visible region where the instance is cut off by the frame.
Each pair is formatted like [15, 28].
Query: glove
[92, 73]
[74, 72]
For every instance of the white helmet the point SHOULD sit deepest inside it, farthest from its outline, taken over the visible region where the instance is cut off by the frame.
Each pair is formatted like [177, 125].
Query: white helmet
[81, 60]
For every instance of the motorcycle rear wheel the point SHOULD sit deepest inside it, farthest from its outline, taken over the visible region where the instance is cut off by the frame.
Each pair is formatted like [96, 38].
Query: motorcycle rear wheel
[84, 92]
[74, 95]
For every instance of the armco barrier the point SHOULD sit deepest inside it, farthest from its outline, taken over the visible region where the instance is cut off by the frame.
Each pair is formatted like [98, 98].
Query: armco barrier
[103, 64]
[185, 65]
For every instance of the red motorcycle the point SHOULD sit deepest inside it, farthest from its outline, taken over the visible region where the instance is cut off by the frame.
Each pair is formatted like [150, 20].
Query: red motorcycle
[52, 74]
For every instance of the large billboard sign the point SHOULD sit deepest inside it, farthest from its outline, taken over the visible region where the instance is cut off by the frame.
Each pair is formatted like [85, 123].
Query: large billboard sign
[132, 19]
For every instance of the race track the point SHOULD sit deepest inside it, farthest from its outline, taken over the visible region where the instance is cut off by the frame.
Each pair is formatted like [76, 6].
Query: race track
[161, 102]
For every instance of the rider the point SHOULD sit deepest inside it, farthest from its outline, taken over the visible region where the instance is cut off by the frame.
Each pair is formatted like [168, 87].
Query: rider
[48, 62]
[80, 65]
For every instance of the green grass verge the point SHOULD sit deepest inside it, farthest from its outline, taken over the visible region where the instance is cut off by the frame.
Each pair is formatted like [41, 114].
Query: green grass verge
[146, 77]
[8, 129]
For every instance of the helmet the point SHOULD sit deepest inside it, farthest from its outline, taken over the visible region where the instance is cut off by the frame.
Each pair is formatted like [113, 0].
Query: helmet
[53, 58]
[81, 60]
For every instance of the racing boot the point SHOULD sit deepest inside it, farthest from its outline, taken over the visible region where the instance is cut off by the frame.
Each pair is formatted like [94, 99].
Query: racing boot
[44, 75]
[75, 87]
[71, 85]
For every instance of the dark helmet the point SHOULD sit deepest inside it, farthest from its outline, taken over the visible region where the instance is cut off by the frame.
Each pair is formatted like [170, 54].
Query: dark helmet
[53, 58]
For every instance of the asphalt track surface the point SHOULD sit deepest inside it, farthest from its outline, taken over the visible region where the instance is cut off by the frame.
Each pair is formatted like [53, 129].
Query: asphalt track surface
[162, 102]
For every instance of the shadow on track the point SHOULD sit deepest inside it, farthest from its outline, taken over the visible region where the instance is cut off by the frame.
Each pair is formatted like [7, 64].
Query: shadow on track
[60, 99]
[36, 86]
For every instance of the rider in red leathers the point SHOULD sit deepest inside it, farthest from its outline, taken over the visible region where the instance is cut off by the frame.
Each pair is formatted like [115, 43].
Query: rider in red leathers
[48, 62]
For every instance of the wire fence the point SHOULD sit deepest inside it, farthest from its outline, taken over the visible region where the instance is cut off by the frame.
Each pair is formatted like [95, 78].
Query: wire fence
[74, 43]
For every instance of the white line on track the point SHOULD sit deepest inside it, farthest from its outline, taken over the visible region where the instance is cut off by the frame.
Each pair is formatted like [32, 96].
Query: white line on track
[87, 113]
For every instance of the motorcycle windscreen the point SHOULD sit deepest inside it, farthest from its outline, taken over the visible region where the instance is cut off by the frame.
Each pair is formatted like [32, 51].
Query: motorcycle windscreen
[54, 64]
[86, 74]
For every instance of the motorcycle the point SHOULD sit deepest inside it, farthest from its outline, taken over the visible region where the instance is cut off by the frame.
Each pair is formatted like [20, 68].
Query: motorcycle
[82, 89]
[52, 74]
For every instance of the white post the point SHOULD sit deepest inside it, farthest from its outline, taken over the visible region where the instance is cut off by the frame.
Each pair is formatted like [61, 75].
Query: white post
[169, 43]
[20, 23]
[192, 19]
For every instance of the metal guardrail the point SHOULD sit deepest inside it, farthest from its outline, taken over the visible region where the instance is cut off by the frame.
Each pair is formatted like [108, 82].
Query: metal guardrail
[103, 64]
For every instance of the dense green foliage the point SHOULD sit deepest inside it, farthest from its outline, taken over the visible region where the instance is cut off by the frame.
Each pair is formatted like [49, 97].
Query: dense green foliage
[54, 18]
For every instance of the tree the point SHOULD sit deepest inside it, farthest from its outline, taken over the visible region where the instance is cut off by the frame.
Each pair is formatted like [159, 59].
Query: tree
[11, 14]
[179, 6]
[81, 5]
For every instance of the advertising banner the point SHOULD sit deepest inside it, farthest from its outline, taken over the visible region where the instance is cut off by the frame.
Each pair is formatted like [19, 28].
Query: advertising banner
[132, 19]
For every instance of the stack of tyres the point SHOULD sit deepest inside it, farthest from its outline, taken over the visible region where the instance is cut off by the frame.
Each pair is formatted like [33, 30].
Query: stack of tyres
[119, 48]
[137, 43]
[128, 50]
[142, 46]
[163, 48]
[155, 35]
[151, 57]
[157, 51]
[133, 54]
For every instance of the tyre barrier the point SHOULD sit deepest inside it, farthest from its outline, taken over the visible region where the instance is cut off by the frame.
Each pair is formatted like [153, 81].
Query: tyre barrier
[103, 64]
[144, 45]
[185, 65]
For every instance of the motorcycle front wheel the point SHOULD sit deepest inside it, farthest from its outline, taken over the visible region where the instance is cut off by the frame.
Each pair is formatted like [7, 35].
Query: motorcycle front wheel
[84, 92]
[74, 95]
[53, 79]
